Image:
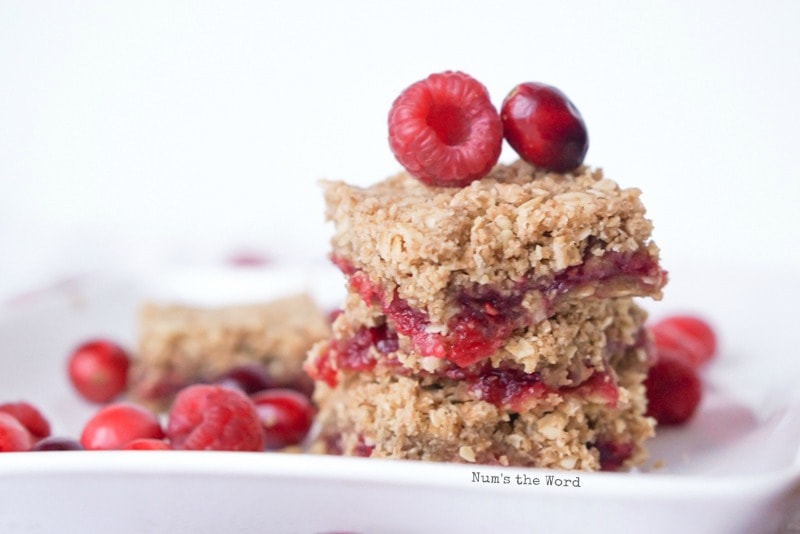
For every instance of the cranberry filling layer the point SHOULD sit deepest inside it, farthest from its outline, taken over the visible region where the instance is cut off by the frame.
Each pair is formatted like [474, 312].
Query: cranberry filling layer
[504, 386]
[488, 315]
[613, 453]
[511, 387]
[353, 353]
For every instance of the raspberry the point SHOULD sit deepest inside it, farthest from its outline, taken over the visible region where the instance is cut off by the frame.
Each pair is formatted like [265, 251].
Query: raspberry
[686, 337]
[673, 390]
[209, 417]
[445, 131]
[544, 127]
[116, 425]
[29, 416]
[14, 437]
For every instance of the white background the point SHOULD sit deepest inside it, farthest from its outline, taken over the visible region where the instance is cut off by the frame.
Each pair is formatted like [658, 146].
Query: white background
[141, 133]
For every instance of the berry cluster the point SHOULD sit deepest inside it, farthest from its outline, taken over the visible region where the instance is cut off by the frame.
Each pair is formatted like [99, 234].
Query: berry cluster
[238, 412]
[683, 344]
[445, 131]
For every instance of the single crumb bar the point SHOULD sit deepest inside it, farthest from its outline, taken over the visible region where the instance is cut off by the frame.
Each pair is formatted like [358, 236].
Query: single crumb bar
[458, 270]
[385, 415]
[181, 345]
[573, 346]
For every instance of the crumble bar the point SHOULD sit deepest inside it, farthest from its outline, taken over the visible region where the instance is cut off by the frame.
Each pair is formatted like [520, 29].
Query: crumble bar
[384, 415]
[180, 345]
[503, 251]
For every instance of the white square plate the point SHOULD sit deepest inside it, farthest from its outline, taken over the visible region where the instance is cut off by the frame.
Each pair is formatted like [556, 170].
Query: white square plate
[734, 468]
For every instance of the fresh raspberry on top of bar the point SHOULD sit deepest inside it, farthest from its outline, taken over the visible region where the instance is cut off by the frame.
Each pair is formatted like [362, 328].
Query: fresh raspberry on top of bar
[445, 131]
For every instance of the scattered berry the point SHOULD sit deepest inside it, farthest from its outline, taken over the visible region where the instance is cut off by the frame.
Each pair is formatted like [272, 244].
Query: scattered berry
[687, 337]
[29, 416]
[14, 437]
[209, 417]
[445, 131]
[147, 444]
[99, 370]
[116, 425]
[544, 127]
[250, 378]
[57, 443]
[286, 416]
[673, 390]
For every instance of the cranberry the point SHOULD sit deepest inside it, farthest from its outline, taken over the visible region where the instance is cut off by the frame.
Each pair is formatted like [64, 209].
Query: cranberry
[445, 131]
[116, 425]
[544, 127]
[673, 390]
[29, 416]
[57, 443]
[99, 370]
[210, 417]
[687, 337]
[147, 444]
[14, 437]
[250, 378]
[286, 416]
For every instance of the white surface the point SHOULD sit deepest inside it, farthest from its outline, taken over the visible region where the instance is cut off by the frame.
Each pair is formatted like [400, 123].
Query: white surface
[733, 469]
[133, 132]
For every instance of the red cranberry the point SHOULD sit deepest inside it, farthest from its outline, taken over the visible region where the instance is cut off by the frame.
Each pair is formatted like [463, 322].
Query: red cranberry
[57, 443]
[116, 425]
[445, 131]
[14, 437]
[687, 337]
[250, 378]
[286, 416]
[210, 417]
[147, 444]
[99, 370]
[544, 127]
[673, 390]
[29, 416]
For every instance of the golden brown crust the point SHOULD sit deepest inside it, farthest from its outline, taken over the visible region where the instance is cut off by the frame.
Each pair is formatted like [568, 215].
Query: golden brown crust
[179, 345]
[517, 222]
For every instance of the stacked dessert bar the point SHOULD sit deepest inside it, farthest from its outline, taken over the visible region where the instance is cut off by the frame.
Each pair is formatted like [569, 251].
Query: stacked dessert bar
[492, 323]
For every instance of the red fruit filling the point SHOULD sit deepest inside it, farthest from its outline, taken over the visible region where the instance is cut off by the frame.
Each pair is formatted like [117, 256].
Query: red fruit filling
[505, 385]
[489, 315]
[674, 390]
[512, 387]
[613, 453]
[208, 417]
[353, 353]
[30, 417]
[116, 425]
[445, 131]
[544, 127]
